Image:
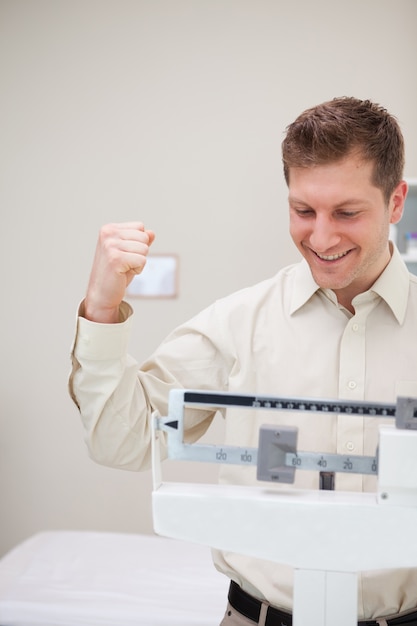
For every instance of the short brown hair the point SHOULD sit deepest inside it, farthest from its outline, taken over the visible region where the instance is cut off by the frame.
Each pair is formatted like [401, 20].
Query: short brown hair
[332, 130]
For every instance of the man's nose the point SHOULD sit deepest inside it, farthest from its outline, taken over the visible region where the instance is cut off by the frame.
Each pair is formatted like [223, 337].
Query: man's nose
[324, 235]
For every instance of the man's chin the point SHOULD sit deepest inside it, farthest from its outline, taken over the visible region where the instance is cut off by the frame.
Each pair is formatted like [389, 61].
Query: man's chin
[329, 282]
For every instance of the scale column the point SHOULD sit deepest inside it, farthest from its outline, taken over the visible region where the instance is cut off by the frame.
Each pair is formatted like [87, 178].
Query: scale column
[323, 598]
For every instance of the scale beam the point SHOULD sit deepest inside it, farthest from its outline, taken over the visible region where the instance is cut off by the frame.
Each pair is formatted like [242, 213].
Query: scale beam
[277, 458]
[314, 405]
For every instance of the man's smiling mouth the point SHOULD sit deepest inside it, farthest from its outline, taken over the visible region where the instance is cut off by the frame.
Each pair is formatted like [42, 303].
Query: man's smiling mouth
[331, 257]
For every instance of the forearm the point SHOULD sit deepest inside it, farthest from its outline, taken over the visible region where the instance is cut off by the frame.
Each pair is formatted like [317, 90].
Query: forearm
[116, 397]
[104, 384]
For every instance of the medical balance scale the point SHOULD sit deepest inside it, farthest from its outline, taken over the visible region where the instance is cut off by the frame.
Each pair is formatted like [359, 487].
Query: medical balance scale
[326, 536]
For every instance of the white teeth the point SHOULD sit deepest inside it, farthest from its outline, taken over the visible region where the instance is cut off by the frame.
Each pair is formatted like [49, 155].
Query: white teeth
[331, 257]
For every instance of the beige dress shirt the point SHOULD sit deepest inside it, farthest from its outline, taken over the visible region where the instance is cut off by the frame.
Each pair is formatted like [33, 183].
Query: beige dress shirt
[283, 336]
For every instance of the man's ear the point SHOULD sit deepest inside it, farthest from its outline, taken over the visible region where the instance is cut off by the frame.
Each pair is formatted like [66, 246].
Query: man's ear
[397, 202]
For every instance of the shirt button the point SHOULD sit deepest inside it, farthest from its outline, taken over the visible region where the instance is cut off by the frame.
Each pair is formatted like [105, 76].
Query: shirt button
[350, 446]
[355, 327]
[352, 384]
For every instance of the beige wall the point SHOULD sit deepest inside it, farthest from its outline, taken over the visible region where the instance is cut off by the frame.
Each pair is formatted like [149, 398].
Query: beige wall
[169, 111]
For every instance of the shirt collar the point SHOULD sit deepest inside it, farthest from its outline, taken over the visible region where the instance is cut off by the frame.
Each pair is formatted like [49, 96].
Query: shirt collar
[391, 286]
[305, 286]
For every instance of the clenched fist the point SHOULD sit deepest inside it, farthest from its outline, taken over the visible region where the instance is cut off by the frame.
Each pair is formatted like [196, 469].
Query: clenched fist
[120, 254]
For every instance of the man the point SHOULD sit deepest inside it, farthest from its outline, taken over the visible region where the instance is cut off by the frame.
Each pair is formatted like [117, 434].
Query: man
[340, 324]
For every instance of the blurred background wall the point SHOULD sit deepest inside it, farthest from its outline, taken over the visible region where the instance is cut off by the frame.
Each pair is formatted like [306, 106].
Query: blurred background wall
[171, 112]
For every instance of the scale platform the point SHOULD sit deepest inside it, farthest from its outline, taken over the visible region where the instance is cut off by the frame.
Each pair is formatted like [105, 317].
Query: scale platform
[300, 528]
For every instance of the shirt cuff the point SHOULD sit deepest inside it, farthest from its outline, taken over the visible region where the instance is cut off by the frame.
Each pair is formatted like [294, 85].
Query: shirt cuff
[101, 342]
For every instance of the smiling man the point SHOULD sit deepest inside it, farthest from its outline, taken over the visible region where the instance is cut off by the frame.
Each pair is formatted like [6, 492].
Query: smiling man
[340, 223]
[343, 197]
[341, 323]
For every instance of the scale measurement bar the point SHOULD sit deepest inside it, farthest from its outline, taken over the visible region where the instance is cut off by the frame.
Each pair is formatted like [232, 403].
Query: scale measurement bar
[211, 453]
[371, 409]
[234, 455]
[351, 464]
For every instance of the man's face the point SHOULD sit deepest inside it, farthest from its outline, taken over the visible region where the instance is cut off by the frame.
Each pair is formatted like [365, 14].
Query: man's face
[340, 223]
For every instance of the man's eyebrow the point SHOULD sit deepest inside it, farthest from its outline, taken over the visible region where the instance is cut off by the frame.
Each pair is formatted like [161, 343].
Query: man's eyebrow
[349, 202]
[352, 202]
[294, 199]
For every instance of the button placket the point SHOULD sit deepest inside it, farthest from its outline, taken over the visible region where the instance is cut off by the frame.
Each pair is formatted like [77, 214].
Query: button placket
[351, 387]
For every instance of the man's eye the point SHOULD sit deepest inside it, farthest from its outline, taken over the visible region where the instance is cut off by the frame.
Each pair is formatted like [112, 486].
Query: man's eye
[348, 214]
[304, 212]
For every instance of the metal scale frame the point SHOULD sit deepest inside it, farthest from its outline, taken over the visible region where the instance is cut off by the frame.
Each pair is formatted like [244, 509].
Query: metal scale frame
[326, 536]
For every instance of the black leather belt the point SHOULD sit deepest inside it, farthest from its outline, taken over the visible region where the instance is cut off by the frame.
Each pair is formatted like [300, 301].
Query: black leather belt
[250, 607]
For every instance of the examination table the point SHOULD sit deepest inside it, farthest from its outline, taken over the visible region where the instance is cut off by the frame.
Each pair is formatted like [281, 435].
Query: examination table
[74, 578]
